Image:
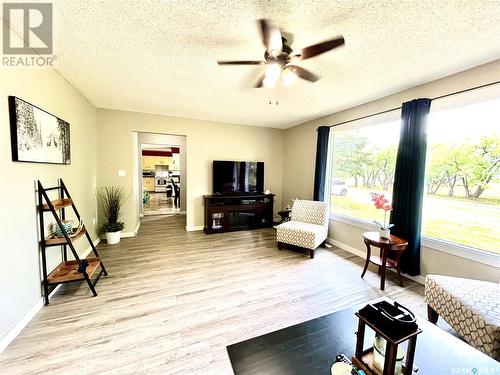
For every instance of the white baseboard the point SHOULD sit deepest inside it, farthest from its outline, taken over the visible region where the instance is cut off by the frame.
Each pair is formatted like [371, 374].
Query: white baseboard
[193, 228]
[23, 322]
[11, 335]
[16, 330]
[419, 279]
[131, 234]
[345, 247]
[89, 249]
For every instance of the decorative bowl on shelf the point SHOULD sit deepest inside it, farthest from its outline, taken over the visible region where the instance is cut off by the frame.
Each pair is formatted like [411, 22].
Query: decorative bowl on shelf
[67, 226]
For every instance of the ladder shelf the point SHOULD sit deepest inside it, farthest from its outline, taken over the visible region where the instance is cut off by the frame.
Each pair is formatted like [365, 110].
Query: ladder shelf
[67, 270]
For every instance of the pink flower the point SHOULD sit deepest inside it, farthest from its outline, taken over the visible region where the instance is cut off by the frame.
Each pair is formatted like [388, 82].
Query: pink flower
[381, 202]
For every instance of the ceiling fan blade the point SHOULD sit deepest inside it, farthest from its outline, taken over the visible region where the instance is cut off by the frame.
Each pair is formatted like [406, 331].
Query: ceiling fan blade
[271, 37]
[303, 73]
[240, 62]
[260, 81]
[318, 49]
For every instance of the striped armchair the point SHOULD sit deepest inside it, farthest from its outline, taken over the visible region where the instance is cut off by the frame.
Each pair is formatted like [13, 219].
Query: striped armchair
[308, 227]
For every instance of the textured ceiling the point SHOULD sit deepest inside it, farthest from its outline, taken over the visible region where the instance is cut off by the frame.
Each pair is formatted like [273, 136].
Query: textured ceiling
[160, 56]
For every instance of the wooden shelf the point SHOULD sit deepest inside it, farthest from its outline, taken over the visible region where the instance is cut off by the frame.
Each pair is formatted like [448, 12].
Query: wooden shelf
[390, 263]
[58, 204]
[52, 240]
[68, 271]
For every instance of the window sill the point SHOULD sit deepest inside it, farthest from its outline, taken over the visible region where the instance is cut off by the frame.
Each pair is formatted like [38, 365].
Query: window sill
[477, 255]
[359, 223]
[484, 257]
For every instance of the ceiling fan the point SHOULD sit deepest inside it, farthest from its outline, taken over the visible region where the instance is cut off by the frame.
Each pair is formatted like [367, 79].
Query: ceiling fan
[279, 55]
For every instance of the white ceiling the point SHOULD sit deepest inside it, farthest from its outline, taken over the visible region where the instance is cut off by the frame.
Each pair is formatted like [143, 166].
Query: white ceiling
[160, 56]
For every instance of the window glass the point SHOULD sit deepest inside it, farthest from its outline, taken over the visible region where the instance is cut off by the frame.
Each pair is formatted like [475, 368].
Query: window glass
[363, 162]
[462, 200]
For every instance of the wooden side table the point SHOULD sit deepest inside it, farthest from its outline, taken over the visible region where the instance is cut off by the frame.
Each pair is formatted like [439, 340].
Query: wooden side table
[393, 243]
[285, 214]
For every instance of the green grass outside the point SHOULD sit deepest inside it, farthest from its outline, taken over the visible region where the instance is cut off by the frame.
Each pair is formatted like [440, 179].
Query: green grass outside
[458, 220]
[493, 201]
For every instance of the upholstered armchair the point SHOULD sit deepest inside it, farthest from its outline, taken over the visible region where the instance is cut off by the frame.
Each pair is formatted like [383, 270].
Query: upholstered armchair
[308, 227]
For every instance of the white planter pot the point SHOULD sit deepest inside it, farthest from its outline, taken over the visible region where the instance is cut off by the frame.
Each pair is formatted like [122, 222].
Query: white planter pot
[113, 237]
[384, 233]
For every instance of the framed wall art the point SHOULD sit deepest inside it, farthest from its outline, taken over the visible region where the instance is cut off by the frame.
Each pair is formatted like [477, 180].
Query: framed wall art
[36, 135]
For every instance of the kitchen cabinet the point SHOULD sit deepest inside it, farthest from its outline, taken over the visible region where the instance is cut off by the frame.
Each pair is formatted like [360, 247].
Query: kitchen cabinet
[148, 183]
[164, 160]
[149, 162]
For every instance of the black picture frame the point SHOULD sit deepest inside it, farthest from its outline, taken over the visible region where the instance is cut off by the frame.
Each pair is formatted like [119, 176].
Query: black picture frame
[38, 136]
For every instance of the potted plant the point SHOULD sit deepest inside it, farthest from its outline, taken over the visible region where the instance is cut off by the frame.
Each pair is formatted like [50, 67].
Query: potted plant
[111, 199]
[382, 203]
[145, 197]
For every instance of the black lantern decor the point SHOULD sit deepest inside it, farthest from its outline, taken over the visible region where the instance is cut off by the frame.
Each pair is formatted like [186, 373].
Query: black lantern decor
[393, 325]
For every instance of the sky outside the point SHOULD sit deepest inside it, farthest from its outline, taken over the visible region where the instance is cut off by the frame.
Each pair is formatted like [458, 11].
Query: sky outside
[472, 121]
[451, 126]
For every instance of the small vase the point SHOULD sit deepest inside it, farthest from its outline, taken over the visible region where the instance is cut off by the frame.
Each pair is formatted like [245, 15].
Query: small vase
[384, 233]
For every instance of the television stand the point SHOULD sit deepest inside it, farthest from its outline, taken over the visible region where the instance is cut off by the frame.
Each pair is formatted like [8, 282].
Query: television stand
[226, 213]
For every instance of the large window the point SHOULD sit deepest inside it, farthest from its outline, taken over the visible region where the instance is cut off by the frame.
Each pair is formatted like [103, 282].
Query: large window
[462, 201]
[363, 162]
[462, 182]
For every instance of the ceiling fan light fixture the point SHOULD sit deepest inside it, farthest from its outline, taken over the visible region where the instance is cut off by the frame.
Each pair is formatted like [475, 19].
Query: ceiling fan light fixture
[270, 83]
[273, 73]
[279, 56]
[289, 77]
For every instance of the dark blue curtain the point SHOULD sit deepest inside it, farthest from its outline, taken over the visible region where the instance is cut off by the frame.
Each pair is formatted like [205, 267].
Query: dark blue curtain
[321, 159]
[409, 182]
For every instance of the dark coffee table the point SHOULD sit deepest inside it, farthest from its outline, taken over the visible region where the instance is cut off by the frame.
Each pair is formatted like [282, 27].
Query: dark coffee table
[310, 348]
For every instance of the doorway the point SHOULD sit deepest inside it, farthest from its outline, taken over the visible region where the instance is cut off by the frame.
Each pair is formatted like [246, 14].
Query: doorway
[162, 170]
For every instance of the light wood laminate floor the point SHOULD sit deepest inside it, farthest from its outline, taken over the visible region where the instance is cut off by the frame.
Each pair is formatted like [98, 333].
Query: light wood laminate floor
[160, 204]
[174, 300]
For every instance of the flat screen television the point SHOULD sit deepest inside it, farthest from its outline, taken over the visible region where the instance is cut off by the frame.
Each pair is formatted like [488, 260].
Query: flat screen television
[238, 177]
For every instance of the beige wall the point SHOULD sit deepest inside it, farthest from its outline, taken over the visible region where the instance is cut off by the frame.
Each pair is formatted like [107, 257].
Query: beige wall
[205, 141]
[20, 278]
[298, 175]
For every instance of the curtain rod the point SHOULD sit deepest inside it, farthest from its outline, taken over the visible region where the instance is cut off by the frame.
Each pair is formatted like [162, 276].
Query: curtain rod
[396, 108]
